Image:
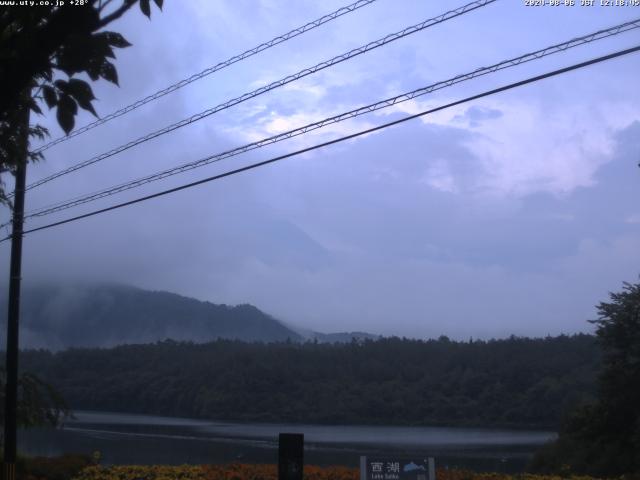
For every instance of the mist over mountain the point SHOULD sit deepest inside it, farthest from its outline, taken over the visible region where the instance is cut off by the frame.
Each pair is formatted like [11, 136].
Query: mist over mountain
[333, 337]
[104, 315]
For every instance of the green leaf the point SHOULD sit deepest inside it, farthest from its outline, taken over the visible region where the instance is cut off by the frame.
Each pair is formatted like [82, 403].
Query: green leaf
[67, 110]
[101, 46]
[159, 3]
[65, 119]
[61, 85]
[69, 103]
[35, 108]
[82, 93]
[80, 90]
[50, 96]
[98, 46]
[75, 55]
[38, 131]
[93, 69]
[85, 54]
[108, 72]
[116, 40]
[145, 7]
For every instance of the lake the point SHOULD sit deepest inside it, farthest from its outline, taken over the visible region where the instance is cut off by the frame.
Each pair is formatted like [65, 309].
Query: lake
[146, 439]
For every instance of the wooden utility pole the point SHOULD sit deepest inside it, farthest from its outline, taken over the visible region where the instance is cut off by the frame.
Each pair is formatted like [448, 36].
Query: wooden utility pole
[13, 320]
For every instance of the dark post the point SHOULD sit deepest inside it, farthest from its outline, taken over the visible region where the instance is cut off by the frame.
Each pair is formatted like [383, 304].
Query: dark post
[290, 456]
[11, 388]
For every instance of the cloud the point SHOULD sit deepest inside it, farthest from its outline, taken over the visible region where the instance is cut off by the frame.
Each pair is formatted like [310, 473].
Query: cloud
[512, 214]
[475, 115]
[522, 148]
[439, 176]
[429, 298]
[537, 267]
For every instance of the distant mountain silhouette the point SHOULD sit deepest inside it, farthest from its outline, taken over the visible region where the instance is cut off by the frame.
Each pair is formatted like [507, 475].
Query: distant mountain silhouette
[57, 317]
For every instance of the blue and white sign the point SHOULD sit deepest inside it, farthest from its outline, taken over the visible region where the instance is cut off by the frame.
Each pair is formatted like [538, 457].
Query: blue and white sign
[396, 468]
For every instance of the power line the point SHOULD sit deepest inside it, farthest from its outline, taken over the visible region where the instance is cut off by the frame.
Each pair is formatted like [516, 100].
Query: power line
[288, 79]
[208, 71]
[561, 47]
[339, 140]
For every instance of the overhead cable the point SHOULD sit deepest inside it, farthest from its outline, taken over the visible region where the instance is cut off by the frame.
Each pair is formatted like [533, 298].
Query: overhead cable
[208, 71]
[338, 140]
[279, 83]
[538, 54]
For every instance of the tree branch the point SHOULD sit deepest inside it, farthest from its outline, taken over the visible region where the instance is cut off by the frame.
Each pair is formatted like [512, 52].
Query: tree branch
[117, 13]
[103, 5]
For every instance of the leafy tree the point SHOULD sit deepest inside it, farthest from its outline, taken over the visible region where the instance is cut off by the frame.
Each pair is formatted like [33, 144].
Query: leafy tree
[604, 438]
[39, 404]
[43, 51]
[618, 329]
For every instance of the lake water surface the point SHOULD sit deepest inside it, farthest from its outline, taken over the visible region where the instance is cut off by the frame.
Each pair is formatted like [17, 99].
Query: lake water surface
[146, 439]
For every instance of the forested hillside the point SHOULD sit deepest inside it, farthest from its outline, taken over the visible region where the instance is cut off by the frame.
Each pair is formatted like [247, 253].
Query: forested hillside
[512, 382]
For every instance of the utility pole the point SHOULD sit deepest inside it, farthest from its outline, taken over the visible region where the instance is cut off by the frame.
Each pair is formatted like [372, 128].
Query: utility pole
[13, 319]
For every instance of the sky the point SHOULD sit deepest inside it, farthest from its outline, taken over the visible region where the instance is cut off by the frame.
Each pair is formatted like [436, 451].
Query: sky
[513, 214]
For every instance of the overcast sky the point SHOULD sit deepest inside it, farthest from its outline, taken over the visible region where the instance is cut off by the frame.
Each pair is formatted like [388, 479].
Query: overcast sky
[514, 214]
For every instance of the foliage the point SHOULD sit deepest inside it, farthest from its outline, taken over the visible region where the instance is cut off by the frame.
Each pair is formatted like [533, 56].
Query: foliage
[78, 467]
[618, 329]
[604, 437]
[46, 468]
[512, 382]
[269, 472]
[39, 404]
[442, 474]
[211, 472]
[43, 50]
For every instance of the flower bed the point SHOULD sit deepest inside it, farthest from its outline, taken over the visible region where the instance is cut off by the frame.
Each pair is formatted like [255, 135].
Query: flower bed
[210, 472]
[71, 467]
[269, 472]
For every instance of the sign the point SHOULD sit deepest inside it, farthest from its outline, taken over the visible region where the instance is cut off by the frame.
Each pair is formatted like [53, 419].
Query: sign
[397, 468]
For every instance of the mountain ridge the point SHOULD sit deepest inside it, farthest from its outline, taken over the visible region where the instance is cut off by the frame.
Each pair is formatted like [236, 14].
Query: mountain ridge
[106, 314]
[109, 314]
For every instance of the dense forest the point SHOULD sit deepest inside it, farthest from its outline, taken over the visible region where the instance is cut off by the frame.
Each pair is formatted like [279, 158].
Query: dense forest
[516, 382]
